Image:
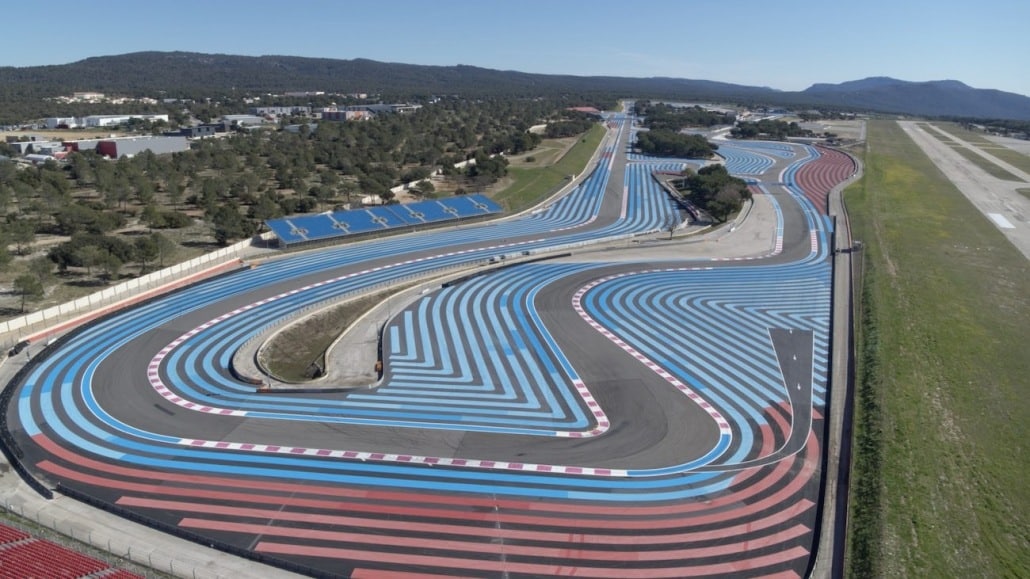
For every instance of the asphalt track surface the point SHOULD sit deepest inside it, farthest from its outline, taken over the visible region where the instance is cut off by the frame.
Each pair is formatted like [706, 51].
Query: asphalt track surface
[629, 418]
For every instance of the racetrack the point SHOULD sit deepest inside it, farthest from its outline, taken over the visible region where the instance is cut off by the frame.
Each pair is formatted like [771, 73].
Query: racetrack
[630, 417]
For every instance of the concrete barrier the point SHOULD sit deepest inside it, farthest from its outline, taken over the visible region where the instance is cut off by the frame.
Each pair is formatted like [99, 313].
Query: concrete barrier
[36, 323]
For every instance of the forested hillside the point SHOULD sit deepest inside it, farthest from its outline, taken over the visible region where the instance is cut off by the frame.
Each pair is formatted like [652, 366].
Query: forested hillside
[191, 75]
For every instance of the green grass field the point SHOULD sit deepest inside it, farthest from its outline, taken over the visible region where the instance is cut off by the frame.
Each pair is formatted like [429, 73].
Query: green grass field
[1010, 156]
[942, 412]
[963, 133]
[533, 185]
[988, 166]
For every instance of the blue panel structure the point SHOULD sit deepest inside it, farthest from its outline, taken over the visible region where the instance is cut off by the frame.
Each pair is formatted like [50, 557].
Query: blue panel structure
[341, 224]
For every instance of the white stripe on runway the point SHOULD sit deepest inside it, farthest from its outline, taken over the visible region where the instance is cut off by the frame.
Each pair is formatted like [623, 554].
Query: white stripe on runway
[1000, 221]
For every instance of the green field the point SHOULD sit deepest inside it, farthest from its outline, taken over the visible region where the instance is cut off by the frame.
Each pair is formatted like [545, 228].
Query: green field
[988, 166]
[942, 414]
[965, 134]
[1010, 156]
[533, 185]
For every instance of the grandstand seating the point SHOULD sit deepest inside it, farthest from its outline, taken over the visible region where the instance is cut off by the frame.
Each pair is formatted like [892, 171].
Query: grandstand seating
[390, 217]
[23, 556]
[340, 224]
[9, 535]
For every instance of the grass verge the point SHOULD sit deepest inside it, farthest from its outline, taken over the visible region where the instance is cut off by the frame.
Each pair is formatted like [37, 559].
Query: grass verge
[987, 165]
[1012, 157]
[290, 353]
[941, 411]
[531, 186]
[1024, 191]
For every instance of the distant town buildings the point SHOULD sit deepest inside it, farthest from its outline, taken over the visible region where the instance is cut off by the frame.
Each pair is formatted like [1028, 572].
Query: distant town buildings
[338, 115]
[37, 150]
[99, 97]
[280, 111]
[365, 112]
[243, 120]
[198, 131]
[94, 121]
[88, 96]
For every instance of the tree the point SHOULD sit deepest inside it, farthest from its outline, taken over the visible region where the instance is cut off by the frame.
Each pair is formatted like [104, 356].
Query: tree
[5, 255]
[322, 194]
[716, 191]
[74, 218]
[423, 188]
[329, 178]
[23, 233]
[666, 143]
[348, 188]
[29, 288]
[229, 224]
[118, 193]
[266, 207]
[5, 197]
[42, 268]
[165, 247]
[146, 251]
[110, 266]
[173, 189]
[89, 256]
[144, 190]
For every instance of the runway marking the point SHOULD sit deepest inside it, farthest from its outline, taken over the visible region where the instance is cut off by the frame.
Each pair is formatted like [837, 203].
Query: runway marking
[1000, 221]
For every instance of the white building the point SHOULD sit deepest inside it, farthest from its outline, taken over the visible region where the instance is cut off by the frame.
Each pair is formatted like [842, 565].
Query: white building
[243, 120]
[112, 120]
[54, 122]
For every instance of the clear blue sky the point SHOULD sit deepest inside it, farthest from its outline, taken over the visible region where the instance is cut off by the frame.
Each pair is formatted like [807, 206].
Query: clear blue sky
[785, 44]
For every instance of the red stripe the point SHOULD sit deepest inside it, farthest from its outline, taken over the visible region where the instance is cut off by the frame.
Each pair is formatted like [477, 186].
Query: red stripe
[499, 548]
[728, 568]
[383, 574]
[784, 494]
[621, 511]
[777, 518]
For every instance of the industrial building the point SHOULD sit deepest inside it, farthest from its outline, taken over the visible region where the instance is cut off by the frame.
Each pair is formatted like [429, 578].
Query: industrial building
[99, 120]
[345, 115]
[279, 110]
[379, 109]
[243, 120]
[113, 120]
[198, 131]
[131, 146]
[81, 145]
[62, 122]
[29, 147]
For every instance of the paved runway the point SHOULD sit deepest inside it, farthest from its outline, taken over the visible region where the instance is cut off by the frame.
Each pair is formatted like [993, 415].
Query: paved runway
[633, 415]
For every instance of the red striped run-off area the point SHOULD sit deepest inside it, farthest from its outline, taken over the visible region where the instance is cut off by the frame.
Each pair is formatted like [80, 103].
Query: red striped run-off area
[761, 525]
[819, 177]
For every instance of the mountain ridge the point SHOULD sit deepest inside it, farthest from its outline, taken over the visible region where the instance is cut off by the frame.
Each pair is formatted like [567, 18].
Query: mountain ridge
[184, 72]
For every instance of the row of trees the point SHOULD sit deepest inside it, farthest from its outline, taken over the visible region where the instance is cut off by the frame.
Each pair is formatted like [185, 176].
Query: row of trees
[100, 255]
[266, 175]
[768, 129]
[665, 143]
[113, 211]
[673, 118]
[575, 123]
